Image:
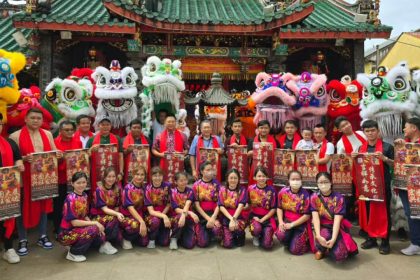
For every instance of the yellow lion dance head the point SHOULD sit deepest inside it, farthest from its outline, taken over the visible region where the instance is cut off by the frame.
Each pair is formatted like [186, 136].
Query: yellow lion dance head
[10, 64]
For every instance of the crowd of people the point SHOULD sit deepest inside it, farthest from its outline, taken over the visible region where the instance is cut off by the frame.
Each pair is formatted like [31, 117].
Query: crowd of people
[147, 211]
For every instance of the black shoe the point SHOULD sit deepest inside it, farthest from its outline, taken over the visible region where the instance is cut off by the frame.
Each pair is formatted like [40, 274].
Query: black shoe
[369, 244]
[22, 247]
[384, 249]
[402, 234]
[363, 234]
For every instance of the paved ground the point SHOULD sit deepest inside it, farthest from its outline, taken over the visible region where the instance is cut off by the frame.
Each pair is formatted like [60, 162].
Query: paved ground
[212, 263]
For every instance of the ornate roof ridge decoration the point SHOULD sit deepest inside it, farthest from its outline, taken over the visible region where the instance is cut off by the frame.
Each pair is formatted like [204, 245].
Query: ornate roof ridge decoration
[215, 95]
[210, 16]
[75, 15]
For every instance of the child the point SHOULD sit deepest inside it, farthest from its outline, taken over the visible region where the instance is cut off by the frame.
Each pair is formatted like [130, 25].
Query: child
[133, 226]
[262, 199]
[294, 230]
[206, 191]
[306, 143]
[232, 200]
[183, 219]
[332, 231]
[157, 201]
[78, 232]
[104, 209]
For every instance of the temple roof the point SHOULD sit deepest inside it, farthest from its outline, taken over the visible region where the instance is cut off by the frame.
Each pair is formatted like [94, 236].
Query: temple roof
[7, 41]
[216, 95]
[76, 15]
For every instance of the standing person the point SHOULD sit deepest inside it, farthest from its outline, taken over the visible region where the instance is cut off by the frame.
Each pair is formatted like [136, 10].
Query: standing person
[325, 148]
[9, 156]
[170, 140]
[133, 226]
[206, 191]
[183, 219]
[84, 129]
[237, 138]
[412, 135]
[205, 140]
[291, 136]
[105, 209]
[332, 231]
[232, 200]
[33, 139]
[104, 136]
[157, 201]
[78, 232]
[351, 140]
[375, 216]
[134, 137]
[293, 213]
[158, 123]
[262, 200]
[306, 143]
[64, 142]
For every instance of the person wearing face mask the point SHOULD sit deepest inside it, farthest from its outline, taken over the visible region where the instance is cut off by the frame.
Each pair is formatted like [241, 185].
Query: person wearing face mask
[332, 231]
[206, 192]
[293, 213]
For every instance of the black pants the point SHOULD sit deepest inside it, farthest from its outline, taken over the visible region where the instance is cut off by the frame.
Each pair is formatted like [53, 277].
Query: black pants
[8, 242]
[58, 206]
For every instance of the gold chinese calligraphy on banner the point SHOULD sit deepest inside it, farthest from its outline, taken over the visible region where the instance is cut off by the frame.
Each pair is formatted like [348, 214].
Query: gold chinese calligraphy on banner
[107, 156]
[306, 162]
[407, 153]
[172, 163]
[341, 172]
[44, 176]
[77, 161]
[369, 179]
[262, 155]
[413, 189]
[284, 162]
[238, 159]
[138, 157]
[10, 184]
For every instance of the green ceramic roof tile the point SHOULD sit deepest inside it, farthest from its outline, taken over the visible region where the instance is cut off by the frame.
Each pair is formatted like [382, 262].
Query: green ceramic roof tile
[90, 12]
[227, 12]
[7, 29]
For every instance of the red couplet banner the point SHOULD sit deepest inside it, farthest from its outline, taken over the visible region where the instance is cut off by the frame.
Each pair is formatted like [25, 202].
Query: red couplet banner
[369, 179]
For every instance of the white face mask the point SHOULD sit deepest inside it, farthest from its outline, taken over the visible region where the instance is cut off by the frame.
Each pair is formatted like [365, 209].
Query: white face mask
[295, 185]
[324, 187]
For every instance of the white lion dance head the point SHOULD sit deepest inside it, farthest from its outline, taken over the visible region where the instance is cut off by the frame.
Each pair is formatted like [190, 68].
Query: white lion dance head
[388, 99]
[163, 83]
[115, 90]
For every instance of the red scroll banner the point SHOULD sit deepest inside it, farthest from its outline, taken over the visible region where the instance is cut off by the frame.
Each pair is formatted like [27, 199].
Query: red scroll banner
[238, 159]
[107, 156]
[262, 155]
[138, 157]
[306, 165]
[407, 153]
[341, 172]
[172, 163]
[284, 162]
[44, 176]
[77, 161]
[210, 155]
[413, 189]
[369, 179]
[10, 183]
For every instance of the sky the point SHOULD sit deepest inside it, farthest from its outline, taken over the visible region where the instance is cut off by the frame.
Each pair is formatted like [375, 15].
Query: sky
[402, 15]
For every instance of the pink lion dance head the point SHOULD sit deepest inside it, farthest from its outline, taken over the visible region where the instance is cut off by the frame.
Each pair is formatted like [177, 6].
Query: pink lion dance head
[272, 99]
[312, 99]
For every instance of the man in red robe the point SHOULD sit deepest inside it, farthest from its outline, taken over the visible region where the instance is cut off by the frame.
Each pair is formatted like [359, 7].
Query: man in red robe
[134, 137]
[84, 129]
[9, 156]
[291, 136]
[64, 142]
[170, 140]
[375, 216]
[412, 135]
[325, 148]
[33, 139]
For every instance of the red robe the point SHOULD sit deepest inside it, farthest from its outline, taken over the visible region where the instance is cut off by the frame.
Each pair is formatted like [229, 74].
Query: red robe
[282, 140]
[129, 140]
[31, 210]
[178, 145]
[7, 161]
[376, 225]
[322, 152]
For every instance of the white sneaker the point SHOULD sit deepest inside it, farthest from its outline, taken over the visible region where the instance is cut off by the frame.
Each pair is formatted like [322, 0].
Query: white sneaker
[174, 244]
[107, 249]
[151, 244]
[126, 244]
[75, 258]
[256, 241]
[411, 250]
[10, 256]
